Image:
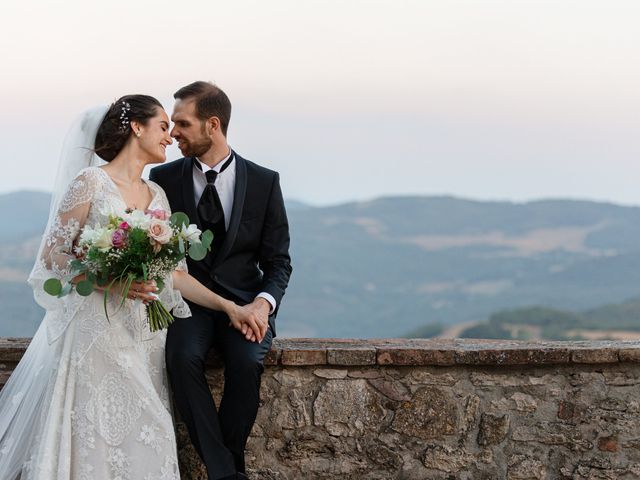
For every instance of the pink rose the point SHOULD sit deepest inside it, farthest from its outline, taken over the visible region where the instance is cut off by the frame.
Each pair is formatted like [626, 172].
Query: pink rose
[160, 232]
[124, 226]
[159, 214]
[119, 238]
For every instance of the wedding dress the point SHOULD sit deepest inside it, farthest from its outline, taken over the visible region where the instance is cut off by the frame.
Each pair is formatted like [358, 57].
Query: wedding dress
[89, 400]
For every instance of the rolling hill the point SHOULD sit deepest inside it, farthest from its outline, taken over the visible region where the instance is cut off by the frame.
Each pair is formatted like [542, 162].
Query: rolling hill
[388, 266]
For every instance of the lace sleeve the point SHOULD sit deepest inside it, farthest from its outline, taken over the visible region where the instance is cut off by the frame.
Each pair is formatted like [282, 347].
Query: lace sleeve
[56, 249]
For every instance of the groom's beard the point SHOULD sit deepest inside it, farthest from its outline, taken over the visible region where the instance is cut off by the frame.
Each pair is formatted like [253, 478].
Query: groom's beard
[195, 148]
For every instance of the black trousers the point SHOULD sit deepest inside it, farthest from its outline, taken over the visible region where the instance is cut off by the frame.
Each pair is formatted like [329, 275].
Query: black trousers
[219, 435]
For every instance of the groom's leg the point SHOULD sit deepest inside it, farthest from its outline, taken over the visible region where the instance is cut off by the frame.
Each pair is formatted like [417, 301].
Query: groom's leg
[188, 342]
[243, 362]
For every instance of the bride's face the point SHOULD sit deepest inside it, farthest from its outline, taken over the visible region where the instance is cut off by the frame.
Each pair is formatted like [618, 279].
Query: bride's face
[154, 137]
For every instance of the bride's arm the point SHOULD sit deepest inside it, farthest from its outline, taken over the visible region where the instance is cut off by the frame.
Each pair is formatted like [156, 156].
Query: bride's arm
[241, 318]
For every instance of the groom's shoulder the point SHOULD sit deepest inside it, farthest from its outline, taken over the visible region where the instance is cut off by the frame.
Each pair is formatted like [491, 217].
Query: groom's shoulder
[254, 168]
[168, 169]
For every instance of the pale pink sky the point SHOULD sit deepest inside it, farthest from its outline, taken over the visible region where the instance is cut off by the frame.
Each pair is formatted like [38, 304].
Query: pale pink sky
[351, 99]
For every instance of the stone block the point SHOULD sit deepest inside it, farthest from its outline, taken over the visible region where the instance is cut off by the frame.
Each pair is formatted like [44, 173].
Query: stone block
[493, 429]
[304, 357]
[391, 389]
[430, 414]
[370, 373]
[630, 355]
[595, 355]
[526, 467]
[415, 356]
[513, 356]
[347, 408]
[330, 373]
[449, 459]
[351, 356]
[524, 402]
[566, 410]
[608, 444]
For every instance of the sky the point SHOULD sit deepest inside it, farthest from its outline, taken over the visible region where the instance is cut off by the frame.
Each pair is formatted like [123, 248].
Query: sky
[350, 100]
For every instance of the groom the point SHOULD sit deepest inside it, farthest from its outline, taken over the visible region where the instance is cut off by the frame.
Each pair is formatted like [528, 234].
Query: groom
[241, 203]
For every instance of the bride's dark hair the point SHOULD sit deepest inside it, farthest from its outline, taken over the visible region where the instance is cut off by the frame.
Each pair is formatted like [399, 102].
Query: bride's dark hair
[115, 129]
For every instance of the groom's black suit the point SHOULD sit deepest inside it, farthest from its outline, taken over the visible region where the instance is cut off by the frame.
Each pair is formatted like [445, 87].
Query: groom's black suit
[252, 258]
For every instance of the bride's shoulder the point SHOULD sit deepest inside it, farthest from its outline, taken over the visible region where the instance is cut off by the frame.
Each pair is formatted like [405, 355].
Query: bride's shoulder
[89, 178]
[82, 189]
[91, 174]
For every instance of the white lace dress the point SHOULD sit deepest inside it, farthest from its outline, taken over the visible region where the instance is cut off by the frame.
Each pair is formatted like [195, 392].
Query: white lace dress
[92, 392]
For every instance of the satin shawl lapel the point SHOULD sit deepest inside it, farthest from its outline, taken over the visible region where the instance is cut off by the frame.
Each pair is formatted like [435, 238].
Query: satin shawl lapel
[187, 190]
[236, 212]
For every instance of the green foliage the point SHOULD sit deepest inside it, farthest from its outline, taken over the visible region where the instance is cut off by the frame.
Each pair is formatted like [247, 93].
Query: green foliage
[486, 330]
[53, 286]
[428, 331]
[179, 219]
[197, 251]
[207, 238]
[539, 316]
[84, 288]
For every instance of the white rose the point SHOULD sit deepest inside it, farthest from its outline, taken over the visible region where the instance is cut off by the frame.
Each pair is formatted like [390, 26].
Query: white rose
[138, 219]
[103, 239]
[88, 235]
[111, 211]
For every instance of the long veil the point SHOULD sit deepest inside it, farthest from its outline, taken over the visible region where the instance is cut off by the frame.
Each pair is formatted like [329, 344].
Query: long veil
[28, 391]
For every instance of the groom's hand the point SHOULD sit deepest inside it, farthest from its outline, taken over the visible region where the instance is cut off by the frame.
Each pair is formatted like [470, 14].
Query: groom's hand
[261, 308]
[247, 320]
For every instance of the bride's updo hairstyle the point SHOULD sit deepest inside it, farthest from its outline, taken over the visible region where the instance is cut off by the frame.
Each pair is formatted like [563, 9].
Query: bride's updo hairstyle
[115, 129]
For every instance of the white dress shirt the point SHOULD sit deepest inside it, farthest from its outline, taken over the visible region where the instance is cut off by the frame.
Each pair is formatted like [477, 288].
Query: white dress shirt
[225, 185]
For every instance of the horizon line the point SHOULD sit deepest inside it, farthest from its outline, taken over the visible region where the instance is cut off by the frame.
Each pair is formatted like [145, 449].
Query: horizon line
[452, 196]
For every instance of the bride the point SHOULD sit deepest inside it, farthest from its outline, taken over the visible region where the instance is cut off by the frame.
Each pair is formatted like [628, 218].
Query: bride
[89, 399]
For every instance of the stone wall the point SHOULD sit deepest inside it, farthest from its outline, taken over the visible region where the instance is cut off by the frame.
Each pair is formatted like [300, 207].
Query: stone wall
[437, 409]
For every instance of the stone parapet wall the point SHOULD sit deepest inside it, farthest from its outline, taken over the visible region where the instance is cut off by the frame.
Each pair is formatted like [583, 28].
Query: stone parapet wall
[437, 409]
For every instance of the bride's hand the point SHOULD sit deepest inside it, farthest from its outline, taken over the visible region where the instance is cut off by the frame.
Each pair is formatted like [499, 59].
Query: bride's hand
[245, 321]
[138, 291]
[145, 291]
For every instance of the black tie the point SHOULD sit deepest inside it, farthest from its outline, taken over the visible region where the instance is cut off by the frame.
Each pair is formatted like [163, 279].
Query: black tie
[210, 207]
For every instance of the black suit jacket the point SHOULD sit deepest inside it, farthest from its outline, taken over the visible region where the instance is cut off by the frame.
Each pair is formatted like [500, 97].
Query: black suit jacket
[254, 256]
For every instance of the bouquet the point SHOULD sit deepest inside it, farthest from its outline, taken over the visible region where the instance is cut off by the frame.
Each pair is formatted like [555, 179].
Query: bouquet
[135, 246]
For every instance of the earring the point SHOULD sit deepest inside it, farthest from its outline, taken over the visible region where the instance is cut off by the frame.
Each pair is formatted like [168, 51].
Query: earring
[138, 134]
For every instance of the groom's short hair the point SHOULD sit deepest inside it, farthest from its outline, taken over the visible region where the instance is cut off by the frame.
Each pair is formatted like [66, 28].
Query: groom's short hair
[210, 100]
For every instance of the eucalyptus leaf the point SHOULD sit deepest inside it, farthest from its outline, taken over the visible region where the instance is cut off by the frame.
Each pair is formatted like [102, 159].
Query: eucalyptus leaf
[181, 245]
[66, 290]
[207, 238]
[197, 252]
[77, 265]
[178, 219]
[84, 288]
[53, 286]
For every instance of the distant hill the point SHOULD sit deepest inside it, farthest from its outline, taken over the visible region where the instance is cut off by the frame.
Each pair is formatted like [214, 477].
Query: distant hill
[24, 213]
[389, 266]
[296, 205]
[613, 321]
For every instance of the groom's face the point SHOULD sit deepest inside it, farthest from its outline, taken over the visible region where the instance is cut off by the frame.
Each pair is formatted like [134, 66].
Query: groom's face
[188, 130]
